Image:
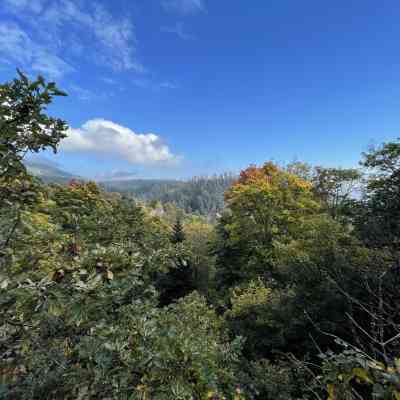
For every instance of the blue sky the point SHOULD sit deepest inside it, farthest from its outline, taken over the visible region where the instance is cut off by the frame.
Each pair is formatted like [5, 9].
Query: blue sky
[174, 88]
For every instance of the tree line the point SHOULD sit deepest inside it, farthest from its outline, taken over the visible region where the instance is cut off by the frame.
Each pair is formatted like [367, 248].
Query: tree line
[200, 195]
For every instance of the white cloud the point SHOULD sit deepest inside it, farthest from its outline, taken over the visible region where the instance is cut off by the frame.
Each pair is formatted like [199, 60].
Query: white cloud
[114, 37]
[17, 46]
[67, 28]
[50, 65]
[183, 6]
[110, 140]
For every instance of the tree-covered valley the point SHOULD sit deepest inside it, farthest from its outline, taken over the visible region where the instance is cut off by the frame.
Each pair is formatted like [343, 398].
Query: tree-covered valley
[200, 195]
[280, 283]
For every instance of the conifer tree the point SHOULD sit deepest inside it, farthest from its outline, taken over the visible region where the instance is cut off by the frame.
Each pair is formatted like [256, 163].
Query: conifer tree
[178, 234]
[178, 282]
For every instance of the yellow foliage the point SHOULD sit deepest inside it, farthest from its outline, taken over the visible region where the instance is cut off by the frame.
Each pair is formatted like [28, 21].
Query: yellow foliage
[362, 375]
[331, 392]
[253, 295]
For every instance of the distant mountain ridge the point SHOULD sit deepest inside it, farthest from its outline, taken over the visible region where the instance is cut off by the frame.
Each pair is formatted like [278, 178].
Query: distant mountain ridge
[49, 173]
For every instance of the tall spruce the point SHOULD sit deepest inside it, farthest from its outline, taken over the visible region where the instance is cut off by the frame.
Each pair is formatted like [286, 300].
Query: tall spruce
[178, 282]
[178, 234]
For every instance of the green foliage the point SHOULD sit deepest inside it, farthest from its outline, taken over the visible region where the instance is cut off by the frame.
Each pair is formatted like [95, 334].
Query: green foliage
[266, 205]
[24, 125]
[80, 316]
[336, 187]
[283, 264]
[379, 212]
[178, 281]
[200, 237]
[202, 195]
[178, 234]
[353, 374]
[292, 295]
[94, 337]
[277, 381]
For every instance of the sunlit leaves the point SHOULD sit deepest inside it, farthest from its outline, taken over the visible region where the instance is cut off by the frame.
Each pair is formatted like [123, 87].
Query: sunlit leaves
[24, 124]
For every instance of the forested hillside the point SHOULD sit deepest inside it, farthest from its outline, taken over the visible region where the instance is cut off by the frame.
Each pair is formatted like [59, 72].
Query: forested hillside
[292, 294]
[200, 195]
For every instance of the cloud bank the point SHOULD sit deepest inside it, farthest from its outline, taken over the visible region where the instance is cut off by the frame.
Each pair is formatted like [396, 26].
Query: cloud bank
[110, 140]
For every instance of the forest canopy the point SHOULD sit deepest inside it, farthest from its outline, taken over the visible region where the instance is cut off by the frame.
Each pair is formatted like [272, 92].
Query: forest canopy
[290, 293]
